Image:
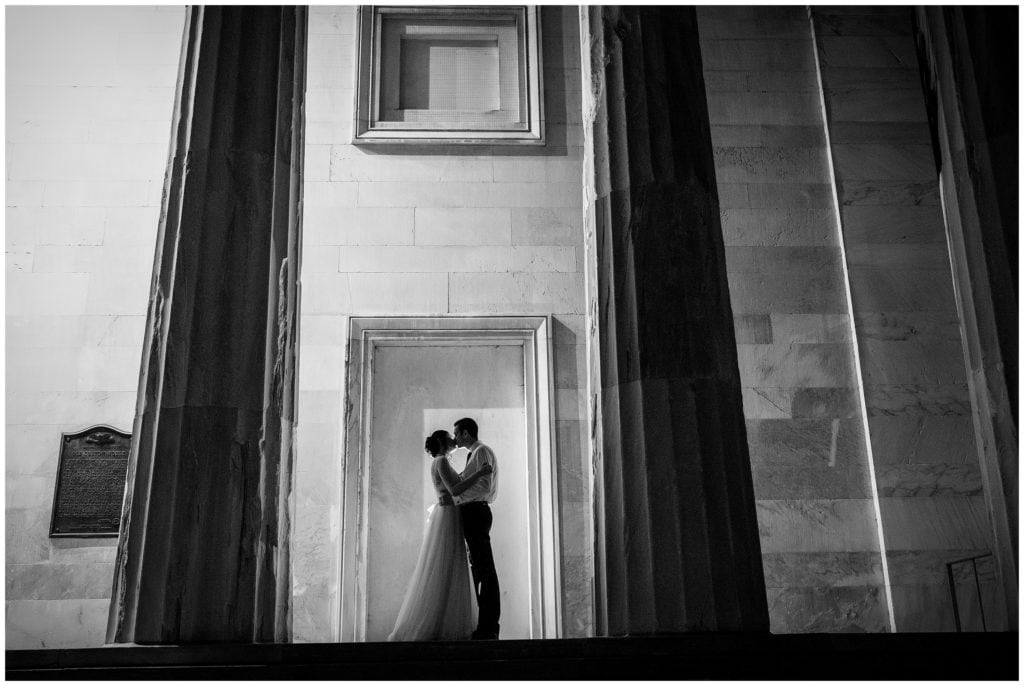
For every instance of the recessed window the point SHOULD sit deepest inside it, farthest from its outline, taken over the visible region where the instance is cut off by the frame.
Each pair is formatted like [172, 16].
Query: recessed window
[451, 74]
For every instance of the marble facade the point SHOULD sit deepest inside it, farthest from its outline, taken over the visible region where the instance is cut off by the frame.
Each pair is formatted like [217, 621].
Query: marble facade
[90, 95]
[450, 230]
[847, 334]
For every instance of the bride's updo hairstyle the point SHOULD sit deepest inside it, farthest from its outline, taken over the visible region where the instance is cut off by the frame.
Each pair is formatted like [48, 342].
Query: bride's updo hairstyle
[435, 443]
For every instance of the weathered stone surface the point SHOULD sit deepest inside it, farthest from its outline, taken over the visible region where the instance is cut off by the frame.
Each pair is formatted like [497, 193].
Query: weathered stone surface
[779, 227]
[870, 131]
[818, 443]
[893, 193]
[796, 365]
[25, 538]
[887, 256]
[920, 607]
[778, 260]
[866, 51]
[915, 400]
[577, 610]
[886, 224]
[888, 290]
[755, 14]
[889, 105]
[935, 523]
[573, 478]
[928, 567]
[814, 292]
[823, 525]
[781, 403]
[314, 576]
[917, 480]
[883, 162]
[878, 24]
[922, 362]
[546, 226]
[753, 328]
[907, 326]
[51, 624]
[758, 53]
[778, 482]
[212, 454]
[771, 108]
[776, 164]
[922, 439]
[766, 135]
[58, 581]
[718, 82]
[732, 22]
[840, 609]
[810, 328]
[822, 569]
[671, 564]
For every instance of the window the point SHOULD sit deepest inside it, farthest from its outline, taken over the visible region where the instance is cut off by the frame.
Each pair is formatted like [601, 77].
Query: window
[448, 74]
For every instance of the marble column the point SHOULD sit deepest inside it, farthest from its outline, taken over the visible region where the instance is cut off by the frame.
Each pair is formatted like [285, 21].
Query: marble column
[970, 88]
[677, 534]
[203, 553]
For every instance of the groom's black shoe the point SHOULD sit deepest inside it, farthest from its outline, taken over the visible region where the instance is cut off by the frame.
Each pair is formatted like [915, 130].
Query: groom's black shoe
[480, 635]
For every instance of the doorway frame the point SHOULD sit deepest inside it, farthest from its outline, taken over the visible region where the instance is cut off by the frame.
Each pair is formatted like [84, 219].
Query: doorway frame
[533, 333]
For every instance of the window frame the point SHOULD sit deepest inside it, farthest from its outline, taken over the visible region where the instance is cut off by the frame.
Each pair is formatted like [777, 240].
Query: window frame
[368, 129]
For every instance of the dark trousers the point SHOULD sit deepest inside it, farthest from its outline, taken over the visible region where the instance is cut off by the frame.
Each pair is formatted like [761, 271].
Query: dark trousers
[476, 526]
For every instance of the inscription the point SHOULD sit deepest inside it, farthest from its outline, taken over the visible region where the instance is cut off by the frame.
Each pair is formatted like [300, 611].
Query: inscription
[90, 483]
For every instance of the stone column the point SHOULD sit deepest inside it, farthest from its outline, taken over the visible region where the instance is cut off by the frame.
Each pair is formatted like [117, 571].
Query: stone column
[203, 551]
[677, 540]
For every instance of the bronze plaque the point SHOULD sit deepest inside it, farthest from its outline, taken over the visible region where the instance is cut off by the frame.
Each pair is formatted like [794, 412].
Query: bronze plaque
[90, 482]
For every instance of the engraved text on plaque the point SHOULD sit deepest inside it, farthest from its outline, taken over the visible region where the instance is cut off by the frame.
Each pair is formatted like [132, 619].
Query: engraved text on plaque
[90, 482]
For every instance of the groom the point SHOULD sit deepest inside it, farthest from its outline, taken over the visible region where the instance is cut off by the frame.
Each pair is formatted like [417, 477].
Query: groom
[476, 526]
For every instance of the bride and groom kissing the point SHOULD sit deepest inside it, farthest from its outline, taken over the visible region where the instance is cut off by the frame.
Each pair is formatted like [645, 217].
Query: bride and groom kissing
[438, 604]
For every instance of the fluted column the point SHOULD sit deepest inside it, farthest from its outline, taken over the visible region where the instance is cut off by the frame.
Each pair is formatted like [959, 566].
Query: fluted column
[203, 550]
[678, 546]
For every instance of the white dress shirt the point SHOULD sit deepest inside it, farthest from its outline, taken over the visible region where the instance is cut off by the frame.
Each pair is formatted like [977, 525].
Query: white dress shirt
[485, 490]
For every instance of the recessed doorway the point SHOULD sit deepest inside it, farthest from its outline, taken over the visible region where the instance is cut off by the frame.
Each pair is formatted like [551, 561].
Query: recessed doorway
[406, 377]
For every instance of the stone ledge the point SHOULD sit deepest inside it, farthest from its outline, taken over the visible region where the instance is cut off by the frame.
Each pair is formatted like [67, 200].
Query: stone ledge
[684, 656]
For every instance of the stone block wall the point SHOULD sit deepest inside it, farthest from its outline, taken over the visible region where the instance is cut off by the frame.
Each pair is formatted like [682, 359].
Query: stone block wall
[816, 513]
[90, 93]
[915, 384]
[436, 230]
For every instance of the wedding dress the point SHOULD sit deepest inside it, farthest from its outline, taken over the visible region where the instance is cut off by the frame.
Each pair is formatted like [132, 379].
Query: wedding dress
[438, 603]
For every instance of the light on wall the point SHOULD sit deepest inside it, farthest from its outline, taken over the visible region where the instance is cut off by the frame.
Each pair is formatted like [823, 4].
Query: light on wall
[449, 75]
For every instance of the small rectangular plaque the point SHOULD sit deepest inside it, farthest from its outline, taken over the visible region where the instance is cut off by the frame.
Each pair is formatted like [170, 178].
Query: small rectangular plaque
[90, 482]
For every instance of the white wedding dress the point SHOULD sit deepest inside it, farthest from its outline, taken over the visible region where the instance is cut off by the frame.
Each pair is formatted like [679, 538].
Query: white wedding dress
[439, 603]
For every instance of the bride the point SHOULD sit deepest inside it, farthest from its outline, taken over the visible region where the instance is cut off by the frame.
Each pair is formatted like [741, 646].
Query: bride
[438, 603]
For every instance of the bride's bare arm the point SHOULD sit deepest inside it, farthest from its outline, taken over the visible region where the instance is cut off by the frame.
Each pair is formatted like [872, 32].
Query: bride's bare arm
[451, 480]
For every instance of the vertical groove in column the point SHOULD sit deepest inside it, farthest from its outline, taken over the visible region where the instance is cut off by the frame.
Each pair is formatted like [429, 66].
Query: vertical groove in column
[204, 549]
[854, 341]
[594, 140]
[681, 546]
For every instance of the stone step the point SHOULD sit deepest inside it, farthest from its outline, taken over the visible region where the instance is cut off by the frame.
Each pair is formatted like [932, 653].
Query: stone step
[688, 656]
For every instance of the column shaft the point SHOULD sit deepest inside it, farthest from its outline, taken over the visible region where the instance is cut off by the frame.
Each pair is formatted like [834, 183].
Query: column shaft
[203, 553]
[680, 538]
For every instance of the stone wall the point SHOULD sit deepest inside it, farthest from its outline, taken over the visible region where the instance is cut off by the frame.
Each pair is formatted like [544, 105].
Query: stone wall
[433, 230]
[915, 382]
[90, 94]
[816, 513]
